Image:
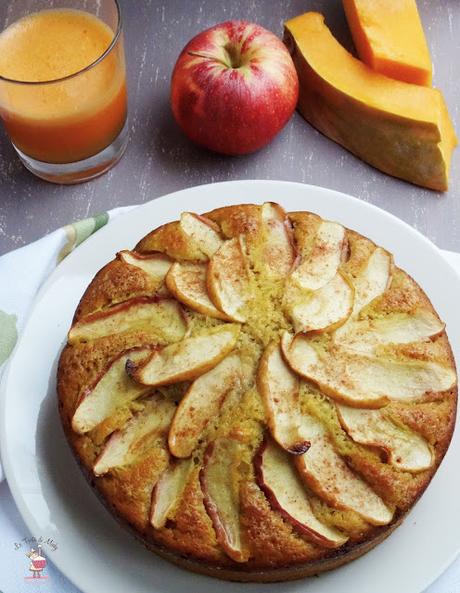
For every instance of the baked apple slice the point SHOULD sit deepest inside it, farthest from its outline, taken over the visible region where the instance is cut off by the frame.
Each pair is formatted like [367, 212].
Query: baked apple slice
[202, 232]
[227, 280]
[129, 444]
[286, 494]
[374, 279]
[366, 335]
[202, 403]
[186, 360]
[329, 477]
[322, 262]
[279, 388]
[220, 486]
[278, 253]
[187, 282]
[364, 381]
[155, 265]
[161, 316]
[111, 390]
[371, 282]
[168, 491]
[405, 449]
[324, 309]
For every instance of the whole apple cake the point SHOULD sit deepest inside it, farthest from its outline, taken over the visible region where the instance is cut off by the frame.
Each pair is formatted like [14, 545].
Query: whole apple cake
[260, 396]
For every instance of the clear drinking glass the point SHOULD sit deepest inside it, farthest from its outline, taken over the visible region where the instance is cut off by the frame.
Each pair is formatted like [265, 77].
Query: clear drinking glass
[73, 128]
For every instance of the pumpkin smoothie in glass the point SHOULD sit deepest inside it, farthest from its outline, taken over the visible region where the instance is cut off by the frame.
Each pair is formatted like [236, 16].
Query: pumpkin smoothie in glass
[63, 95]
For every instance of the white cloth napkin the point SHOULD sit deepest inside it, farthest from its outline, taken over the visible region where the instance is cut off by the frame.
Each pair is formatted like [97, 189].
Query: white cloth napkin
[23, 271]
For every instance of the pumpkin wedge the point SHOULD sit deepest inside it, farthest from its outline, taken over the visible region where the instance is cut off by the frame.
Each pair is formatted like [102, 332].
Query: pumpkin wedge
[389, 38]
[402, 129]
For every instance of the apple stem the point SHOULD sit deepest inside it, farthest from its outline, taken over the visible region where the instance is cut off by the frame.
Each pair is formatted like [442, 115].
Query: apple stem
[207, 56]
[232, 62]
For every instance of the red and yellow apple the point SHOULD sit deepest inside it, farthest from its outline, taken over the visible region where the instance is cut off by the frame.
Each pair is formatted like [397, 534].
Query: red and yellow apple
[234, 87]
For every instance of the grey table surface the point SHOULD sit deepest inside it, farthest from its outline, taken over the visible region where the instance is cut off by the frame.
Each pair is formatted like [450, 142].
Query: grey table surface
[160, 160]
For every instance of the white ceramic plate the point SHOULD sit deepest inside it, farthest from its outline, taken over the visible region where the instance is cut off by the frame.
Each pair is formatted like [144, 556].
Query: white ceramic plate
[54, 499]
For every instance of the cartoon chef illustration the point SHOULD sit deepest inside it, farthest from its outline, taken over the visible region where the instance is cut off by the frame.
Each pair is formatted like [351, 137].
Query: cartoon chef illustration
[37, 562]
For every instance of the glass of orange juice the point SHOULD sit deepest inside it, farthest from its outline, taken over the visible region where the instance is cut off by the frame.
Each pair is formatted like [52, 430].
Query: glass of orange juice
[63, 97]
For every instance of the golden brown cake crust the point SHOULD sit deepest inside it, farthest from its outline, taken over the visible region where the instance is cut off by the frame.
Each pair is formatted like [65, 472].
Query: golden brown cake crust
[276, 550]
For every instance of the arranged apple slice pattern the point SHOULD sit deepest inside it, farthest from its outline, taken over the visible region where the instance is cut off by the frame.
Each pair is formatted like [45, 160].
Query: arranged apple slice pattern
[163, 316]
[168, 491]
[333, 344]
[328, 475]
[365, 335]
[227, 280]
[405, 449]
[202, 233]
[134, 376]
[111, 390]
[155, 265]
[279, 388]
[202, 403]
[219, 482]
[187, 282]
[185, 360]
[278, 479]
[318, 296]
[278, 253]
[364, 380]
[125, 446]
